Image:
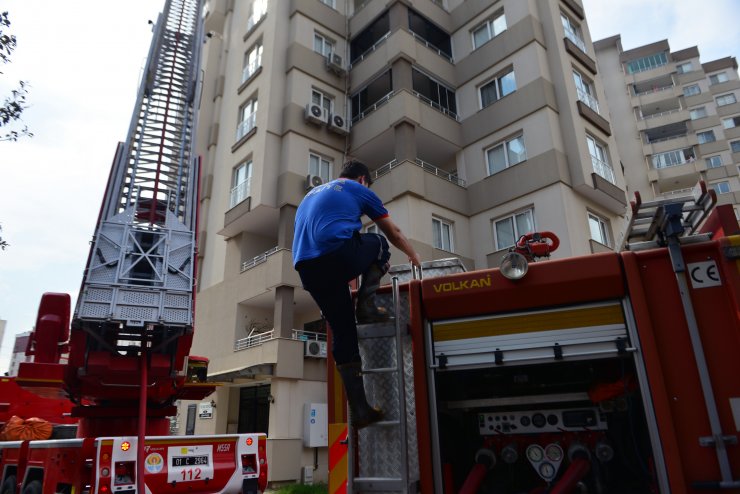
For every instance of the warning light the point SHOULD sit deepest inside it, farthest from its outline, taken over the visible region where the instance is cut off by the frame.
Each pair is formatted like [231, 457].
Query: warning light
[125, 446]
[249, 441]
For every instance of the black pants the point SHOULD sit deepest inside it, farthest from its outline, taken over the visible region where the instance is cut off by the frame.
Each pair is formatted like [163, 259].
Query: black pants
[327, 280]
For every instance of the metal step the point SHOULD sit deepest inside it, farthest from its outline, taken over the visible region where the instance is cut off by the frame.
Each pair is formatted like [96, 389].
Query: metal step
[378, 484]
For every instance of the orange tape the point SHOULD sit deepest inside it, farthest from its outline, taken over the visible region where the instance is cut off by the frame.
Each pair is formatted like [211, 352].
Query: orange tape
[337, 459]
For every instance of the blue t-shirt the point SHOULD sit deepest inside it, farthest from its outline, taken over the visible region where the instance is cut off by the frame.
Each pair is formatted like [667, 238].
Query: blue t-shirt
[330, 214]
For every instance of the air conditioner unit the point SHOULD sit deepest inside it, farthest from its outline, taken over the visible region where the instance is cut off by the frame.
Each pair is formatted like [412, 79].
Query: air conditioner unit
[339, 124]
[315, 349]
[315, 114]
[335, 63]
[313, 181]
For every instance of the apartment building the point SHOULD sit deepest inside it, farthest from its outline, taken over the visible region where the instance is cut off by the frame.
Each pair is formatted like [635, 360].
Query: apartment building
[676, 120]
[481, 120]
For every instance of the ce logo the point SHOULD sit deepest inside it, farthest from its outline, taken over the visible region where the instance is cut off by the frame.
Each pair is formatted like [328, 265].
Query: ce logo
[704, 274]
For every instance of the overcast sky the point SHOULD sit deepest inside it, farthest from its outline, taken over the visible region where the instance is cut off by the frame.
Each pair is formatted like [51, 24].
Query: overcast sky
[83, 59]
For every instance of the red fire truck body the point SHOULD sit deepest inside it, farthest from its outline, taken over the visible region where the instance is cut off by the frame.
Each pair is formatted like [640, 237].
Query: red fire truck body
[588, 374]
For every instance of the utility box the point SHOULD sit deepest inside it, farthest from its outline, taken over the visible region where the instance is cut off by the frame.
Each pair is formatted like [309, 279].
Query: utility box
[307, 475]
[315, 425]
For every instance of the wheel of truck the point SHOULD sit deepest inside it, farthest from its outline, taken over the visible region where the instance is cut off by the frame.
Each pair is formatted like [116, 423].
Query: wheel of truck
[33, 487]
[8, 485]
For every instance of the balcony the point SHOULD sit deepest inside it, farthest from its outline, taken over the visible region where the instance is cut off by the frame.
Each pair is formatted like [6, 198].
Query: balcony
[427, 167]
[589, 100]
[259, 276]
[678, 176]
[246, 126]
[259, 339]
[604, 170]
[240, 192]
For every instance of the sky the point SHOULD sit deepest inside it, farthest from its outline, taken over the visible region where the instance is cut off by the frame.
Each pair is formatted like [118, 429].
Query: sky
[83, 60]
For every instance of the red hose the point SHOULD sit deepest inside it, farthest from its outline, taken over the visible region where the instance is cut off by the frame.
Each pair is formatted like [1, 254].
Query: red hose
[578, 469]
[474, 479]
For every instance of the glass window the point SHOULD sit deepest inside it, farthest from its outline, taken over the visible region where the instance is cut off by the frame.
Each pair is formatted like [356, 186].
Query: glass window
[248, 117]
[373, 228]
[706, 136]
[364, 100]
[726, 99]
[718, 78]
[585, 91]
[442, 235]
[319, 166]
[321, 99]
[696, 113]
[692, 90]
[507, 231]
[368, 37]
[600, 160]
[430, 33]
[714, 161]
[721, 187]
[329, 3]
[441, 97]
[735, 146]
[729, 123]
[259, 9]
[682, 68]
[488, 30]
[322, 45]
[241, 178]
[498, 88]
[647, 63]
[599, 229]
[573, 31]
[252, 61]
[673, 158]
[506, 154]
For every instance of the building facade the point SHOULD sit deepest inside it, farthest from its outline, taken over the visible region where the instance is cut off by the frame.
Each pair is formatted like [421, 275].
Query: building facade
[480, 120]
[676, 120]
[19, 352]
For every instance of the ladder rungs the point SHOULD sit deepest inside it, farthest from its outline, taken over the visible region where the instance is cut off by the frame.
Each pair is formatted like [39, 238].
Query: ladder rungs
[377, 484]
[376, 330]
[380, 370]
[385, 423]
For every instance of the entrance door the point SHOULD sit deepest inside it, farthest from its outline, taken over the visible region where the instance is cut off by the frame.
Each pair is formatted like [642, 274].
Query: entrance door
[254, 409]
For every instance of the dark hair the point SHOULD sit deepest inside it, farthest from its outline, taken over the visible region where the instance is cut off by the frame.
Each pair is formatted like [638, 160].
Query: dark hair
[355, 169]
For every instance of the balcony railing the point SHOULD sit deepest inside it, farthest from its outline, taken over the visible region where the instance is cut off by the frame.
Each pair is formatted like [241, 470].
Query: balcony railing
[663, 139]
[661, 114]
[259, 259]
[604, 170]
[246, 125]
[250, 69]
[589, 100]
[373, 107]
[240, 192]
[654, 90]
[427, 167]
[437, 106]
[367, 52]
[678, 192]
[258, 339]
[431, 46]
[571, 35]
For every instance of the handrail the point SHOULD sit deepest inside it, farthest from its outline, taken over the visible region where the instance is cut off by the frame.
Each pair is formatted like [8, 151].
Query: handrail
[254, 340]
[362, 56]
[259, 259]
[655, 90]
[588, 99]
[246, 125]
[373, 107]
[661, 114]
[300, 334]
[436, 106]
[240, 192]
[603, 169]
[427, 167]
[663, 139]
[431, 46]
[250, 69]
[571, 35]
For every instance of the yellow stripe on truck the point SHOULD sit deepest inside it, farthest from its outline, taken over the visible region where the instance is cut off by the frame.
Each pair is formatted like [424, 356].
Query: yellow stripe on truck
[528, 323]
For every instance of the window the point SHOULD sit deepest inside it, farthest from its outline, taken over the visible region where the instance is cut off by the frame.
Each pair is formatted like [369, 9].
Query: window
[697, 113]
[726, 99]
[329, 3]
[437, 38]
[718, 78]
[373, 228]
[732, 122]
[241, 178]
[321, 99]
[506, 154]
[252, 61]
[366, 98]
[647, 63]
[573, 31]
[442, 232]
[248, 114]
[369, 37]
[673, 158]
[600, 160]
[735, 146]
[599, 229]
[488, 30]
[585, 90]
[319, 166]
[322, 45]
[507, 231]
[714, 161]
[692, 90]
[498, 88]
[259, 9]
[682, 68]
[706, 136]
[440, 96]
[721, 187]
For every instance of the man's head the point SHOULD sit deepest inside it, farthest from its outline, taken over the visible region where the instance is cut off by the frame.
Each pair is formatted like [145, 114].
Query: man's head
[355, 170]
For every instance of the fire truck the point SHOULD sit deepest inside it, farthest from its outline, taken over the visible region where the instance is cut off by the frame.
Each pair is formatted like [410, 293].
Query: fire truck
[120, 361]
[615, 372]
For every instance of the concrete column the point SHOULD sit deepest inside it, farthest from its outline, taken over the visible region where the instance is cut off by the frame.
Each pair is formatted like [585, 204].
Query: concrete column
[402, 75]
[283, 313]
[286, 222]
[405, 142]
[398, 17]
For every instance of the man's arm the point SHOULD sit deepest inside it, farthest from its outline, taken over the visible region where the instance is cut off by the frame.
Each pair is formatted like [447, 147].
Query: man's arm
[398, 239]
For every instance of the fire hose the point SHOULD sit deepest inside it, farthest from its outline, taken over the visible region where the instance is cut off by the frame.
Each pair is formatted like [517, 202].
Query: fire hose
[485, 460]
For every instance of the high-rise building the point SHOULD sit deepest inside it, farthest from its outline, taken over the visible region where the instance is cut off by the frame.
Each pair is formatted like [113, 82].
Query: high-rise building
[480, 120]
[676, 120]
[19, 352]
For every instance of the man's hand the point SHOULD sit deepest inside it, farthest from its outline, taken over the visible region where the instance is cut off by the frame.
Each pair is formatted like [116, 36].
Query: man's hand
[395, 236]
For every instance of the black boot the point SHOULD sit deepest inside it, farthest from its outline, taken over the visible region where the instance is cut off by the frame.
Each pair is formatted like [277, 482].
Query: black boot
[360, 413]
[367, 311]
